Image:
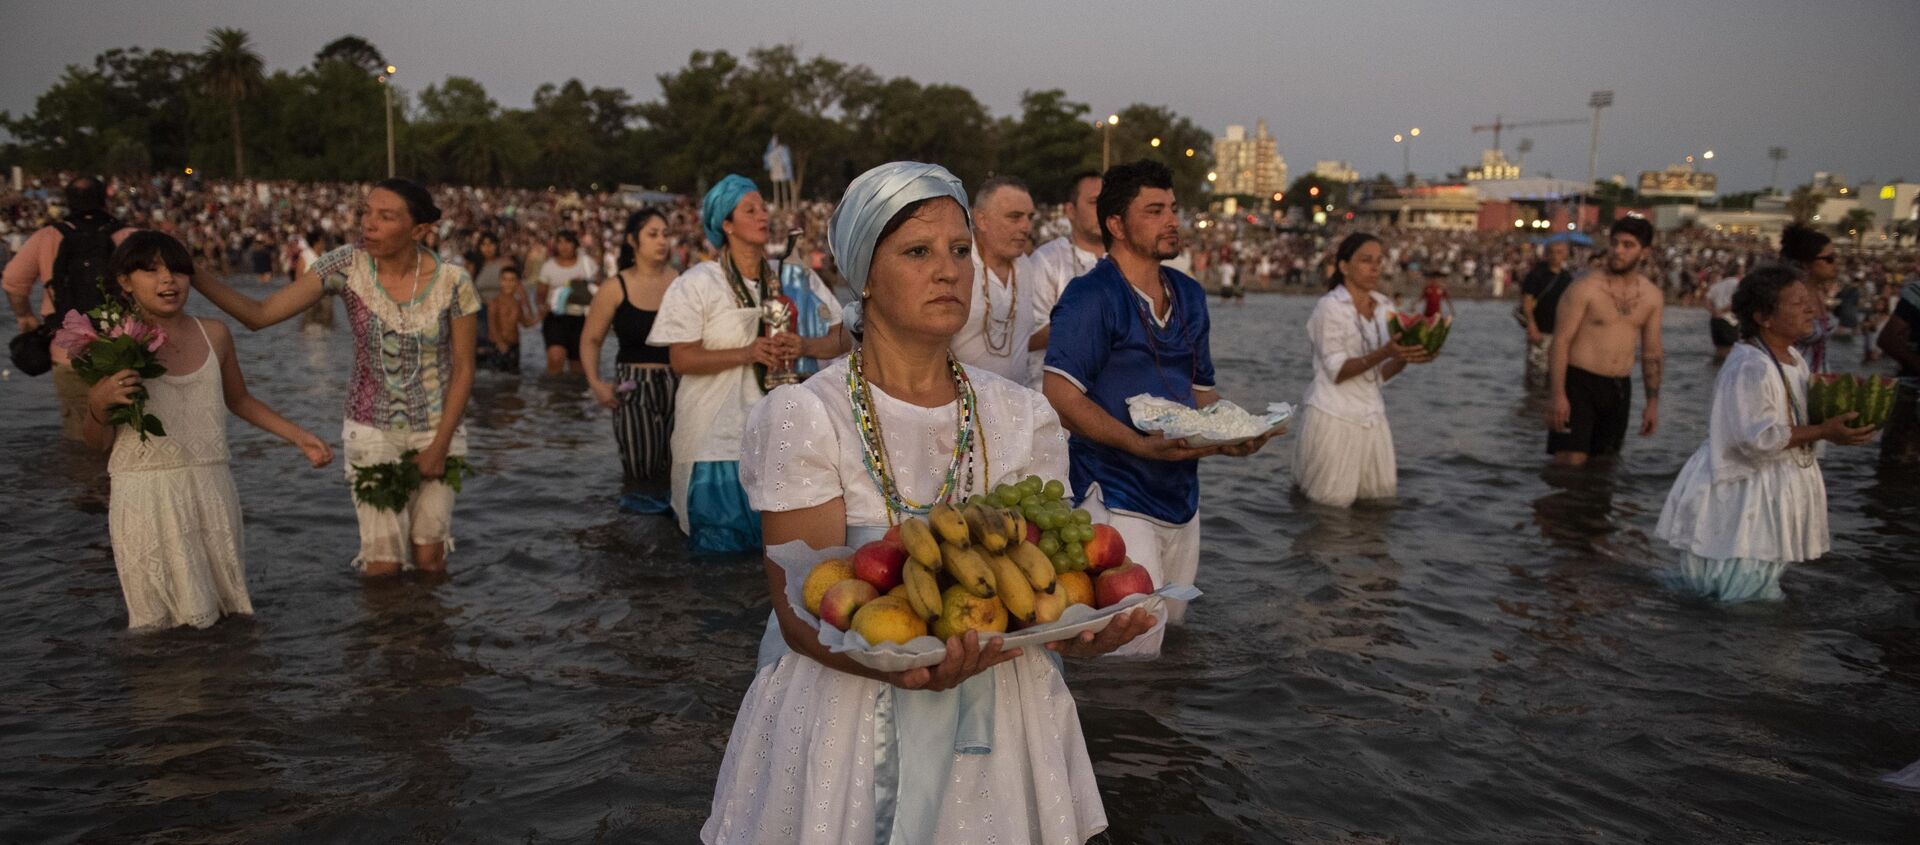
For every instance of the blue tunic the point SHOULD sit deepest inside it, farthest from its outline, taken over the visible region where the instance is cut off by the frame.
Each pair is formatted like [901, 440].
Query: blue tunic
[1105, 340]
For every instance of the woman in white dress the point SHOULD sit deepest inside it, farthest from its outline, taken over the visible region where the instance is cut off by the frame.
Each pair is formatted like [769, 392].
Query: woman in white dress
[1751, 499]
[1346, 449]
[710, 322]
[178, 542]
[985, 746]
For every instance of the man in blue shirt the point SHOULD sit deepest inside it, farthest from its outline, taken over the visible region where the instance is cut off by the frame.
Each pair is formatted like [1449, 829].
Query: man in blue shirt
[1127, 327]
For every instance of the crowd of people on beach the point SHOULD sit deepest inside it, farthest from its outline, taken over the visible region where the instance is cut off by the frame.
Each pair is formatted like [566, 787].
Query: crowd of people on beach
[820, 373]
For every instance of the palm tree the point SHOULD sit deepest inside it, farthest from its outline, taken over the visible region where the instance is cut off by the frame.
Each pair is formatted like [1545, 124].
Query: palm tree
[1804, 203]
[1858, 222]
[232, 71]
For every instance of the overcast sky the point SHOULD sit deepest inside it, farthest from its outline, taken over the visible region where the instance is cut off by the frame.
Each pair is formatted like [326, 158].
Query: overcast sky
[1833, 82]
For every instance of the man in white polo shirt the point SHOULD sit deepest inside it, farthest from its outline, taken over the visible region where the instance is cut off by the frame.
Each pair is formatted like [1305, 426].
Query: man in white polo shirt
[1064, 259]
[999, 329]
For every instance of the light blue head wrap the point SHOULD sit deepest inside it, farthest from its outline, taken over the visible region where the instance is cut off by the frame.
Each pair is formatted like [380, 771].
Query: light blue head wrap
[719, 204]
[872, 200]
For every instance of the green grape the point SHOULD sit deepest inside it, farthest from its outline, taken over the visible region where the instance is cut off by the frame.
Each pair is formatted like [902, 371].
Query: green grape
[1032, 513]
[1054, 489]
[1049, 544]
[1081, 516]
[1046, 520]
[1061, 561]
[1006, 497]
[1030, 501]
[1032, 481]
[1077, 554]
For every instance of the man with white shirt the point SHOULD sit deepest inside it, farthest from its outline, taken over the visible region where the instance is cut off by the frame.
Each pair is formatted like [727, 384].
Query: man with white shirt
[1721, 325]
[999, 329]
[1063, 259]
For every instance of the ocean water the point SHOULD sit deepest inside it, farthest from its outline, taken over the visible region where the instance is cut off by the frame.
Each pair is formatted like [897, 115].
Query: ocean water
[1492, 658]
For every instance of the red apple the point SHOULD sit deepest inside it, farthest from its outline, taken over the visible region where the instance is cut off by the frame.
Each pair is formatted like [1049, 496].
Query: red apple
[1106, 550]
[892, 535]
[1033, 533]
[843, 599]
[1117, 583]
[879, 563]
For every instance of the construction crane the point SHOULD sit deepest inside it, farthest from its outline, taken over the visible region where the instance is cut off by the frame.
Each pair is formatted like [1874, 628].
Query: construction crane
[1499, 124]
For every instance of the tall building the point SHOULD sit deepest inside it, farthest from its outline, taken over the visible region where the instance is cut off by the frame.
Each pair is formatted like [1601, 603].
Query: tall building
[1249, 165]
[1493, 166]
[1336, 171]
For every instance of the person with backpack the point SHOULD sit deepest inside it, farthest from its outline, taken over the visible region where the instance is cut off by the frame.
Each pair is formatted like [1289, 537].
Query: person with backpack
[70, 257]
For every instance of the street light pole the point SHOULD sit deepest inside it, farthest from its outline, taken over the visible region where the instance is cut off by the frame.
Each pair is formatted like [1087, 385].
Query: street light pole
[1106, 140]
[1778, 154]
[1599, 100]
[386, 85]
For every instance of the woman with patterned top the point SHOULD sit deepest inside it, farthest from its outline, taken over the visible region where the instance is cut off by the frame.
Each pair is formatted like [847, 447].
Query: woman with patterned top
[414, 320]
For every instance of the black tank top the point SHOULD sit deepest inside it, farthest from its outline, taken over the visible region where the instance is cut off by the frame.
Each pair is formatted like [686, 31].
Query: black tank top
[632, 325]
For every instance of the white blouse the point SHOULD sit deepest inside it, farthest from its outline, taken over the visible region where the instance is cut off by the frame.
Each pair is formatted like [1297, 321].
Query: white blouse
[1339, 334]
[801, 448]
[1743, 494]
[710, 408]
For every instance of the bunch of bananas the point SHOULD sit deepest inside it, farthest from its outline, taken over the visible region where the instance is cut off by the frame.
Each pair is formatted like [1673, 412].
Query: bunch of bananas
[1063, 530]
[973, 568]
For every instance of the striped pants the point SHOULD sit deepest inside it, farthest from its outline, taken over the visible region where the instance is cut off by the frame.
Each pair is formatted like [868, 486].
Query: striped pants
[643, 423]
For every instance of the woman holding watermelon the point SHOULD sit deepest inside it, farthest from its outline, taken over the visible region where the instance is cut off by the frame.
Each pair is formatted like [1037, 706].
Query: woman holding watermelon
[1346, 449]
[1751, 500]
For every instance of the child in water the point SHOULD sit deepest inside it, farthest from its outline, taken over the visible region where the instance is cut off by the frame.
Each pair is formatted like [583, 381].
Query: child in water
[507, 314]
[178, 542]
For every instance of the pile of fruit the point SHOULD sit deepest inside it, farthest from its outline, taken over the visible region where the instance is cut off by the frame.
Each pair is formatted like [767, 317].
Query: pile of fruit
[1831, 395]
[1415, 330]
[983, 566]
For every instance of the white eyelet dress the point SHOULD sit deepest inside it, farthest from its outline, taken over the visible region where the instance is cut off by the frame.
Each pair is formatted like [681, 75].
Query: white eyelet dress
[175, 519]
[808, 760]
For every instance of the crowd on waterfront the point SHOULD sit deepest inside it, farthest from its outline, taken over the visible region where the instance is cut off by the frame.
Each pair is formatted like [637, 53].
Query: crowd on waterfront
[914, 343]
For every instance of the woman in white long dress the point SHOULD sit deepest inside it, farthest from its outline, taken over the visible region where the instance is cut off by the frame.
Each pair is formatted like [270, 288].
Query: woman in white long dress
[1346, 449]
[1751, 500]
[710, 322]
[825, 750]
[178, 542]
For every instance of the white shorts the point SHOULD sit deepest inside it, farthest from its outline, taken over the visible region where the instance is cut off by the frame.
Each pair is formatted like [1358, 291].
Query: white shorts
[1170, 553]
[427, 519]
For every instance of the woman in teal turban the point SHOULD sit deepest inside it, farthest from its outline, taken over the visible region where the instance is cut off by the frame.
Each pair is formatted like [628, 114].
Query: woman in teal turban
[985, 745]
[710, 322]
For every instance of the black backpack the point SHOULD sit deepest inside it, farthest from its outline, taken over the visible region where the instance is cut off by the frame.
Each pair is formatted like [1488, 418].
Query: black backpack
[80, 267]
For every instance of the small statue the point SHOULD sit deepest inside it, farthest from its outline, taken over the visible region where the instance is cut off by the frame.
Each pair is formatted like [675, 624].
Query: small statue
[779, 315]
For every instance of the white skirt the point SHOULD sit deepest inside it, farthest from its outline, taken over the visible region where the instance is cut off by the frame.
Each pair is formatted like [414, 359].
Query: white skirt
[178, 545]
[1340, 460]
[1779, 513]
[800, 763]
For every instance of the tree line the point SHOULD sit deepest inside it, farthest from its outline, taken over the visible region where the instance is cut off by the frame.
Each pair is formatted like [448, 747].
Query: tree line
[137, 111]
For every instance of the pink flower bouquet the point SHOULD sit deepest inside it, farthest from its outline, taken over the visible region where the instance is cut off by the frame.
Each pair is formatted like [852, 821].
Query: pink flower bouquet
[109, 339]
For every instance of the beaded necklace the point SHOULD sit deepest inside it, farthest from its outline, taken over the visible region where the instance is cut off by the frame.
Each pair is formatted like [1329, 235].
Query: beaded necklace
[1803, 455]
[1004, 346]
[873, 443]
[1143, 308]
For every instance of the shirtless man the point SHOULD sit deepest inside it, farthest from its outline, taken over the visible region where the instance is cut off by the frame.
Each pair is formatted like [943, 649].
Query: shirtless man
[1590, 364]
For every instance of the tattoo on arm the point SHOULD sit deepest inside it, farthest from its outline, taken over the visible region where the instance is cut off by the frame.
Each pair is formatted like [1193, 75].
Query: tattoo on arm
[1652, 367]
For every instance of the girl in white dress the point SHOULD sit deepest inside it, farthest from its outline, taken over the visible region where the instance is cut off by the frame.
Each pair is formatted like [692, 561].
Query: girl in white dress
[827, 751]
[1751, 499]
[1346, 449]
[175, 521]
